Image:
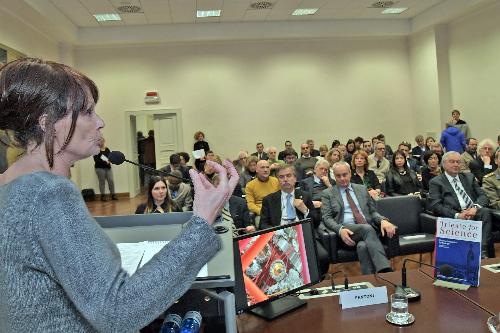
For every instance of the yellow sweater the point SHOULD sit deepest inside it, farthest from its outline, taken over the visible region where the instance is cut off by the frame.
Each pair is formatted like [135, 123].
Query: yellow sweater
[256, 190]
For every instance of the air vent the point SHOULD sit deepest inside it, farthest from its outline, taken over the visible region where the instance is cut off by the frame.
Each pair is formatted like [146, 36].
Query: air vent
[261, 5]
[383, 4]
[129, 9]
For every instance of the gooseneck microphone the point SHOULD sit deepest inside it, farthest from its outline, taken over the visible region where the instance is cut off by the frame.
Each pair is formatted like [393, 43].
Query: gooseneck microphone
[411, 293]
[117, 157]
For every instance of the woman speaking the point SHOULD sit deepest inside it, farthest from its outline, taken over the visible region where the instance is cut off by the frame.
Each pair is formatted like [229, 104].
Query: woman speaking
[60, 272]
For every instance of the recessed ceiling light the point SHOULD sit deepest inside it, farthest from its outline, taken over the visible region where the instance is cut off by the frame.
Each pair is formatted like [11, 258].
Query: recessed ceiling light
[208, 13]
[107, 17]
[394, 10]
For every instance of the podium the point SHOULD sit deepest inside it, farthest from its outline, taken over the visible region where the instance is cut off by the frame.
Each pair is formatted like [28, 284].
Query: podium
[161, 227]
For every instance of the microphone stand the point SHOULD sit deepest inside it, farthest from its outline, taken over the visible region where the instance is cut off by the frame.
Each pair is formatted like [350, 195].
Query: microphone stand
[156, 172]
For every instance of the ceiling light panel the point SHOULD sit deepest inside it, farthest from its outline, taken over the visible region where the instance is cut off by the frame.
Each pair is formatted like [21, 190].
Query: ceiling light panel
[208, 13]
[304, 11]
[394, 10]
[107, 17]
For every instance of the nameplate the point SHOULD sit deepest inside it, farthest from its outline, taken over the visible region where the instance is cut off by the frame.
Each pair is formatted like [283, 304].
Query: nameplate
[356, 298]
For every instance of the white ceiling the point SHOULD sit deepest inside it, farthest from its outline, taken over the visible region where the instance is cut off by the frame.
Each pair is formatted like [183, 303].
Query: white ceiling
[80, 12]
[72, 21]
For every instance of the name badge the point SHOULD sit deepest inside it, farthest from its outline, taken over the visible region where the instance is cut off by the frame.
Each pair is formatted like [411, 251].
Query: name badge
[363, 297]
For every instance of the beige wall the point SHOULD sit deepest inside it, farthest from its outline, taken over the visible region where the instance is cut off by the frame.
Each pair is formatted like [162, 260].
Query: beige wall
[475, 70]
[241, 92]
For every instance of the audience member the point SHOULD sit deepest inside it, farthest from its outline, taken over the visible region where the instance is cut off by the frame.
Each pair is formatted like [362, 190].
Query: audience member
[318, 182]
[274, 163]
[209, 170]
[291, 204]
[288, 145]
[235, 211]
[485, 162]
[367, 147]
[350, 212]
[375, 140]
[332, 157]
[378, 163]
[335, 143]
[323, 150]
[358, 143]
[200, 142]
[491, 184]
[429, 141]
[468, 155]
[410, 161]
[260, 153]
[343, 151]
[241, 163]
[158, 200]
[452, 139]
[259, 187]
[305, 164]
[437, 148]
[350, 149]
[455, 121]
[401, 180]
[431, 169]
[179, 192]
[312, 151]
[388, 149]
[104, 173]
[175, 164]
[250, 171]
[290, 156]
[457, 195]
[185, 158]
[361, 175]
[418, 151]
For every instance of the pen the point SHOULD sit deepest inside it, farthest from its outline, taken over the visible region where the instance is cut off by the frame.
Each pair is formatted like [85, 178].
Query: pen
[214, 277]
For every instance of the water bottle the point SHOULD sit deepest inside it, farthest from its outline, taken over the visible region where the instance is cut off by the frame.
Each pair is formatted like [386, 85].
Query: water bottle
[191, 322]
[171, 324]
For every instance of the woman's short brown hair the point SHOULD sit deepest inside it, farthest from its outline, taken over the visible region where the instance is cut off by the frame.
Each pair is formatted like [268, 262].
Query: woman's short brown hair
[31, 88]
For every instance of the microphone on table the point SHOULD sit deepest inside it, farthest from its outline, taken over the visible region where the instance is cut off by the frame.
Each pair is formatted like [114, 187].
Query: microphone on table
[117, 157]
[411, 293]
[346, 281]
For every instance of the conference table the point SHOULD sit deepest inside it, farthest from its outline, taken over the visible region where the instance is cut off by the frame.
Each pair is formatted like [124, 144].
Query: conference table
[438, 310]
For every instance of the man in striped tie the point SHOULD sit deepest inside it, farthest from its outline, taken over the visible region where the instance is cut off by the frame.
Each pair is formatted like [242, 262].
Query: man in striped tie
[454, 194]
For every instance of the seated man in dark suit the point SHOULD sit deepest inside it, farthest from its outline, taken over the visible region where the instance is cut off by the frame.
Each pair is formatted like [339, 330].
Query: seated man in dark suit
[235, 210]
[412, 163]
[175, 164]
[288, 145]
[289, 205]
[457, 195]
[260, 153]
[319, 182]
[349, 211]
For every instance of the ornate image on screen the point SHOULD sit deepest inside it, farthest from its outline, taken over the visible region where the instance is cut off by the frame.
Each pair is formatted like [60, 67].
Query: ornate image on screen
[273, 263]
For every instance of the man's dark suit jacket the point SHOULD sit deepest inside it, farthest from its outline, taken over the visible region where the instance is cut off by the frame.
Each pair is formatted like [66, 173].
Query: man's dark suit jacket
[239, 212]
[308, 186]
[443, 200]
[264, 155]
[418, 154]
[332, 207]
[270, 215]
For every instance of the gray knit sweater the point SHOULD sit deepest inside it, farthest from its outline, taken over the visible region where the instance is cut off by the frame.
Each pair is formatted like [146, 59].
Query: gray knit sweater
[59, 272]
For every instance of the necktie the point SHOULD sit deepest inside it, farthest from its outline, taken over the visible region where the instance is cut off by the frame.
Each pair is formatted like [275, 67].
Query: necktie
[463, 194]
[290, 209]
[378, 163]
[358, 217]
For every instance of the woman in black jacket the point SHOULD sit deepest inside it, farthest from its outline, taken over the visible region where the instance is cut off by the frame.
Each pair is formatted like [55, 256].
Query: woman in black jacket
[361, 174]
[400, 180]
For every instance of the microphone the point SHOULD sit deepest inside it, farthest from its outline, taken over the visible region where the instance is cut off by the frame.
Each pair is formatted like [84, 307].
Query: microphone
[117, 157]
[411, 293]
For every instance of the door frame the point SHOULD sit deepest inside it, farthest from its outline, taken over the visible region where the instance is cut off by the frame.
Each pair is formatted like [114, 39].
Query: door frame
[132, 174]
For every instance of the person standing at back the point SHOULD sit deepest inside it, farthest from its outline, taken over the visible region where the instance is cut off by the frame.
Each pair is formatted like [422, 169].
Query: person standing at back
[104, 173]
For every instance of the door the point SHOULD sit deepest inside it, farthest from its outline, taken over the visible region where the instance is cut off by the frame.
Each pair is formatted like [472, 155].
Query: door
[166, 137]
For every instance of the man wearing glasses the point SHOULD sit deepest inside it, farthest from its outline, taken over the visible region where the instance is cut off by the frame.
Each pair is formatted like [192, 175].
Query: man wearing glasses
[378, 163]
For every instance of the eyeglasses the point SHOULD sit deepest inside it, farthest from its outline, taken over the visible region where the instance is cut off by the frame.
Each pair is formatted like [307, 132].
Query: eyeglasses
[380, 148]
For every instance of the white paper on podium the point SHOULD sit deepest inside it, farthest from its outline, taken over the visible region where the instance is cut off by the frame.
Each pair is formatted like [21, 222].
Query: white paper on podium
[136, 255]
